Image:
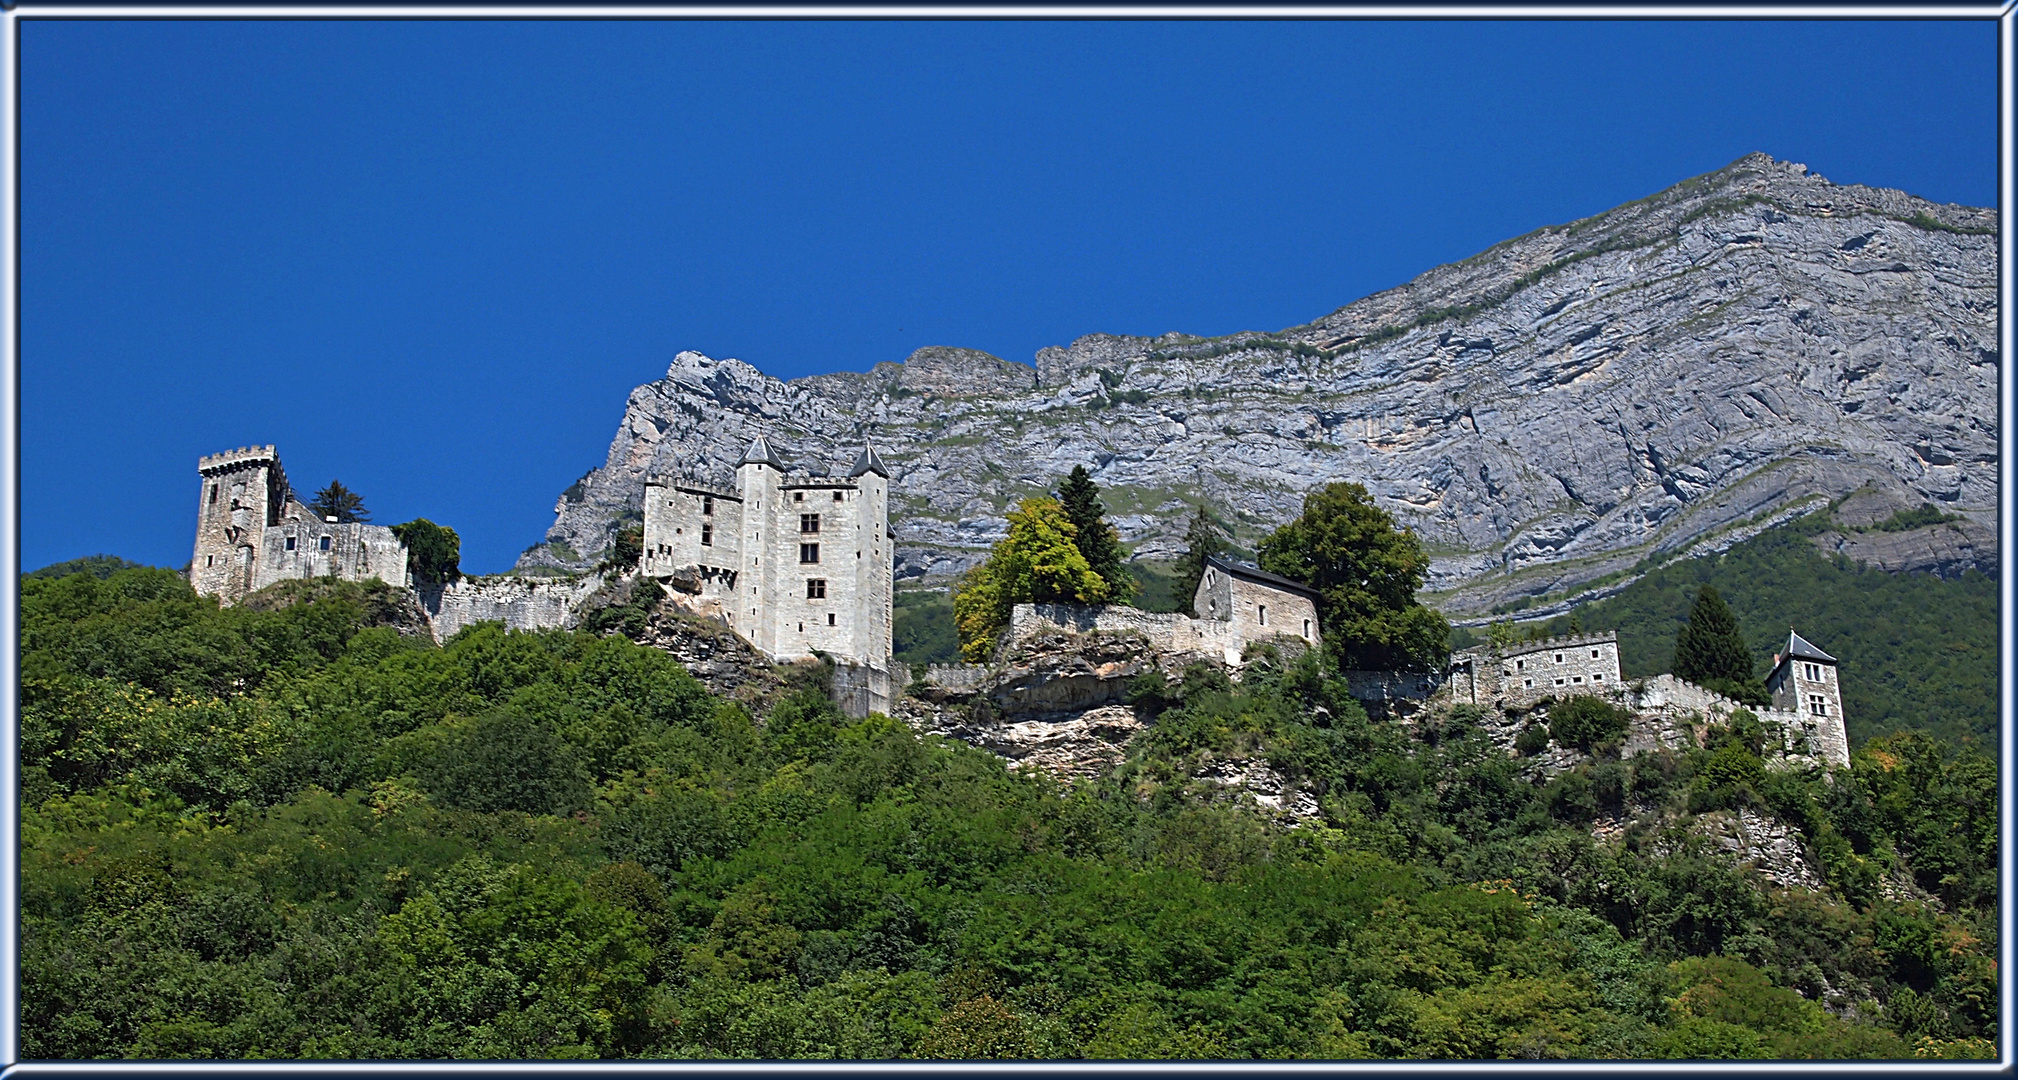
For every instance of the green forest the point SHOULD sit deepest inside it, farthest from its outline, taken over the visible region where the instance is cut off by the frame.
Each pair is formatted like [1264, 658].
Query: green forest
[283, 830]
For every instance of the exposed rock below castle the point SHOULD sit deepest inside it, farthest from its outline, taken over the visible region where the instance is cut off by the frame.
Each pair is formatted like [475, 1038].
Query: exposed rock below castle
[1546, 412]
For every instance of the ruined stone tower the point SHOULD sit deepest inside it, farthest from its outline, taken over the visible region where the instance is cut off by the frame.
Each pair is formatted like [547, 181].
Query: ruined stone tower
[251, 532]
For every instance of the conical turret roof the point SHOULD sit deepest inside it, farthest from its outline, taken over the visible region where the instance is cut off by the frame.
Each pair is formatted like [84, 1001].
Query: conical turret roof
[1799, 646]
[760, 453]
[869, 461]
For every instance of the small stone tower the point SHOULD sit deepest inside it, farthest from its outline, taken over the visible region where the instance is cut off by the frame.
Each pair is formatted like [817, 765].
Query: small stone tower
[243, 492]
[1803, 683]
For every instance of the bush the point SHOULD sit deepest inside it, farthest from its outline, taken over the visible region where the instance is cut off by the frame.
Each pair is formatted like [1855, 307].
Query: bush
[1583, 721]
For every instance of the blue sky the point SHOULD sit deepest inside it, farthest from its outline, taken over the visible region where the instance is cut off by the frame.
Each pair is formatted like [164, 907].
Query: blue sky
[431, 259]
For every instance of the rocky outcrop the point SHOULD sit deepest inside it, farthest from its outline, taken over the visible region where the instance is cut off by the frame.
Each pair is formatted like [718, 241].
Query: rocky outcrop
[1950, 549]
[1544, 413]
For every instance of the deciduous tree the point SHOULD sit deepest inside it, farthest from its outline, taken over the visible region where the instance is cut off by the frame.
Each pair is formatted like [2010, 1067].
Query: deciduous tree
[1037, 563]
[1366, 571]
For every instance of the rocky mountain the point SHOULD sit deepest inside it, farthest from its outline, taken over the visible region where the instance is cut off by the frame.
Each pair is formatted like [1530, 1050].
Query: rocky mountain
[1666, 376]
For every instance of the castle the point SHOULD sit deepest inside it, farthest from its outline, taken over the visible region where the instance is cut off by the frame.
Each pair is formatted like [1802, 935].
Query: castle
[797, 563]
[1807, 701]
[252, 532]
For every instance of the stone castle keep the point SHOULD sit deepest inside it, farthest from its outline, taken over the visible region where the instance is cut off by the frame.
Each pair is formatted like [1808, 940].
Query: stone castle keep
[252, 532]
[798, 564]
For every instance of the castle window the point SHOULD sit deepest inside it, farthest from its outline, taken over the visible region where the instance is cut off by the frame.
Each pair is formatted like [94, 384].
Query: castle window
[213, 494]
[1817, 706]
[798, 496]
[816, 588]
[707, 534]
[830, 618]
[1577, 679]
[1262, 611]
[809, 523]
[707, 504]
[210, 560]
[1306, 628]
[1597, 678]
[1559, 682]
[324, 543]
[809, 553]
[1814, 672]
[1594, 654]
[1559, 658]
[1520, 665]
[1527, 684]
[837, 496]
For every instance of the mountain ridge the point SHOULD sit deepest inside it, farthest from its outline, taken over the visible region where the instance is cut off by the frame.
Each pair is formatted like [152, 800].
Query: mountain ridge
[1555, 409]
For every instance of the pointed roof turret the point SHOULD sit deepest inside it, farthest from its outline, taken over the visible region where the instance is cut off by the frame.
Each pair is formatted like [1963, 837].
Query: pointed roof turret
[760, 453]
[1799, 646]
[869, 461]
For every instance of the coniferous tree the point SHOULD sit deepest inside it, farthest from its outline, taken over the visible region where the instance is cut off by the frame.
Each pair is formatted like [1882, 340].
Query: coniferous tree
[1202, 539]
[1096, 539]
[339, 502]
[1709, 645]
[1710, 651]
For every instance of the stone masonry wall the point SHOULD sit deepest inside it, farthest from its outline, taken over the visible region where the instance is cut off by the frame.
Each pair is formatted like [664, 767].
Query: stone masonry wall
[521, 603]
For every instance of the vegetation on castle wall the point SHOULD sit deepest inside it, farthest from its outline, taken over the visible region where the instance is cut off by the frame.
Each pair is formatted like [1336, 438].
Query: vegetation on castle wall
[282, 832]
[433, 552]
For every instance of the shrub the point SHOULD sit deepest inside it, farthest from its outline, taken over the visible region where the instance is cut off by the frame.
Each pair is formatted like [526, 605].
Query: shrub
[1583, 721]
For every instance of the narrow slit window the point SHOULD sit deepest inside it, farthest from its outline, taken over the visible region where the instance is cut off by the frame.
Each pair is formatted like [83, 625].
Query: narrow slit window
[707, 535]
[707, 504]
[213, 494]
[1262, 611]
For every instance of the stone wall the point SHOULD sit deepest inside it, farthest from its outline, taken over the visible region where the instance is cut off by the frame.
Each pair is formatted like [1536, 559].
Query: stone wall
[1528, 670]
[860, 689]
[1166, 633]
[521, 603]
[957, 679]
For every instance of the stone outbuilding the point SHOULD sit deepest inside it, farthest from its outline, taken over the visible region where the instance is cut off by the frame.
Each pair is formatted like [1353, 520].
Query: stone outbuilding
[1257, 604]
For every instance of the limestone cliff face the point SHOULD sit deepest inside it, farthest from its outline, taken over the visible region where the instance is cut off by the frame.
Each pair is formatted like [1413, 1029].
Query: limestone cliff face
[1543, 413]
